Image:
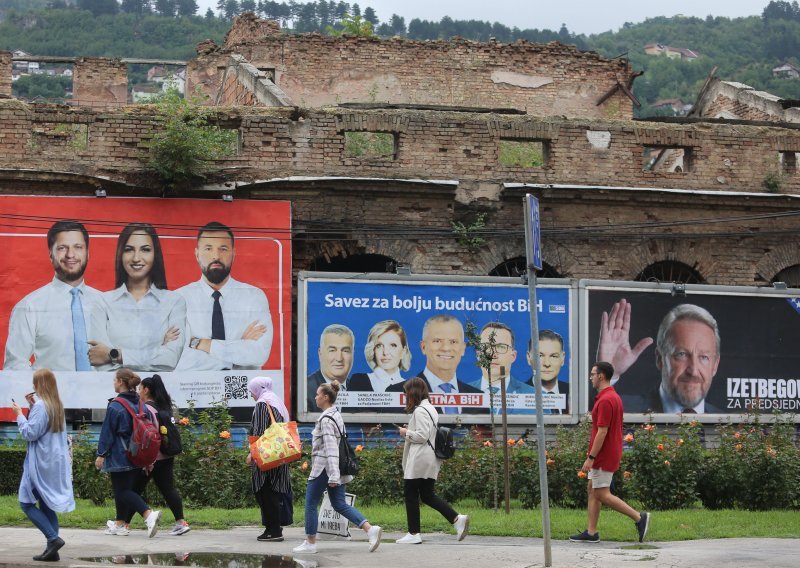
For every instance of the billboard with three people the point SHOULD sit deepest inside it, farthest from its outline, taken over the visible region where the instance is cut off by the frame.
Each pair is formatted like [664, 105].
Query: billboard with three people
[197, 291]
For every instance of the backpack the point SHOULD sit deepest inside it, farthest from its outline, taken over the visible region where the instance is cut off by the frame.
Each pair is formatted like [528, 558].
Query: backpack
[145, 439]
[445, 447]
[171, 441]
[348, 462]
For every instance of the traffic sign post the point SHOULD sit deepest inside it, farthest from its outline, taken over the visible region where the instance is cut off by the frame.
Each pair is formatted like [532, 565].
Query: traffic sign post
[533, 248]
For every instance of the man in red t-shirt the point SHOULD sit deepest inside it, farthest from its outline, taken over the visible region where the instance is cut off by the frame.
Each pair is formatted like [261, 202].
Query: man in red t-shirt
[605, 453]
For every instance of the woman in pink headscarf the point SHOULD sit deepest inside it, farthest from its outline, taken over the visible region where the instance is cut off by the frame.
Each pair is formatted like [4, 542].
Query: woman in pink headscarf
[272, 488]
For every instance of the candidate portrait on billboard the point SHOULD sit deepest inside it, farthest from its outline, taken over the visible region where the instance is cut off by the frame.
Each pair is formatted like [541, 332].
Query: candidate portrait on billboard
[167, 286]
[705, 353]
[376, 334]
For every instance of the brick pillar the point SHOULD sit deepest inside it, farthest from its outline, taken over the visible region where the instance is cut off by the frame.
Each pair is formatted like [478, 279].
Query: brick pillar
[100, 82]
[5, 73]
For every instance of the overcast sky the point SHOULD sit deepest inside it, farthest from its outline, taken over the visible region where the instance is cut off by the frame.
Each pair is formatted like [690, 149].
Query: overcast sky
[581, 16]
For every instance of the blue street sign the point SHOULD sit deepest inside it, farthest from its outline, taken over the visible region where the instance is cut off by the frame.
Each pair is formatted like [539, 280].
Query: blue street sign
[535, 229]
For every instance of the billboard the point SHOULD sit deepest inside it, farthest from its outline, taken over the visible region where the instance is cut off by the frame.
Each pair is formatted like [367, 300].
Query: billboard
[146, 292]
[705, 350]
[373, 332]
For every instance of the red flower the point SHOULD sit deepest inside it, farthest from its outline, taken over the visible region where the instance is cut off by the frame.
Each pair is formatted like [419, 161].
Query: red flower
[224, 434]
[183, 421]
[629, 438]
[581, 474]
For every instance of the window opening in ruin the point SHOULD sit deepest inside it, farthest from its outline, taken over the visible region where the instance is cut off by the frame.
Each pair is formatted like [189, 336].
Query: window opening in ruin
[663, 159]
[148, 81]
[788, 162]
[670, 271]
[370, 145]
[61, 135]
[789, 275]
[517, 266]
[41, 82]
[518, 153]
[269, 72]
[355, 263]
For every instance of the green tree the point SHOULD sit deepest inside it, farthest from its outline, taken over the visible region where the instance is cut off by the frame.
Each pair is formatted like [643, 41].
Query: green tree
[353, 26]
[99, 7]
[183, 150]
[187, 7]
[371, 16]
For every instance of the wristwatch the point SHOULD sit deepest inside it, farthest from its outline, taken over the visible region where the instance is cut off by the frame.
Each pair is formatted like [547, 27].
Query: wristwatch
[194, 342]
[114, 355]
[591, 457]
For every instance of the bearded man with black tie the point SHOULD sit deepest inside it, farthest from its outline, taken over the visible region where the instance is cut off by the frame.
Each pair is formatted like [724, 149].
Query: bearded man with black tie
[229, 325]
[49, 328]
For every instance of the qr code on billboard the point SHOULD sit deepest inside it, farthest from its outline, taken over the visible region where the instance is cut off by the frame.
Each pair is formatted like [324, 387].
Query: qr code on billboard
[236, 388]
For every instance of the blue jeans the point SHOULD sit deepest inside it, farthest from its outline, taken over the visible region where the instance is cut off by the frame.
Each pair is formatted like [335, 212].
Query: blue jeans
[43, 517]
[314, 491]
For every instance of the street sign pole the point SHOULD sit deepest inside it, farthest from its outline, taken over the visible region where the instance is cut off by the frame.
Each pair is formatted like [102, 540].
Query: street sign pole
[533, 248]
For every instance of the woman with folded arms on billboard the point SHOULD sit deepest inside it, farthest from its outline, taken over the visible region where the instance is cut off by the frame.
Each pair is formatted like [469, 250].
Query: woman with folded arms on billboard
[47, 471]
[145, 321]
[387, 354]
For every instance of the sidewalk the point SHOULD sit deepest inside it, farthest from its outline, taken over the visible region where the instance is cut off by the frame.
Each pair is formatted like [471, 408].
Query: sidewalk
[18, 545]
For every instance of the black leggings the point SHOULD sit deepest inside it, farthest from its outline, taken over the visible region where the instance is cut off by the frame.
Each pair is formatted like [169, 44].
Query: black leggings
[163, 477]
[416, 489]
[126, 499]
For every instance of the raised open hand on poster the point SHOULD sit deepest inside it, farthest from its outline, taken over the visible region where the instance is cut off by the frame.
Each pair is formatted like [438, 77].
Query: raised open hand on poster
[614, 345]
[254, 331]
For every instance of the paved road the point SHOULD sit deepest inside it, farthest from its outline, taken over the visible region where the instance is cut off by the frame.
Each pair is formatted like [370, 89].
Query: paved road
[18, 545]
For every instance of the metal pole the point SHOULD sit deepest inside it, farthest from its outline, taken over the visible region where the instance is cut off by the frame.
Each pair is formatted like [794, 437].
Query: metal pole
[540, 437]
[506, 463]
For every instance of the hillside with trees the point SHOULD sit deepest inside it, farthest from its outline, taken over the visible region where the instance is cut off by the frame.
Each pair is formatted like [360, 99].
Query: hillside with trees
[743, 49]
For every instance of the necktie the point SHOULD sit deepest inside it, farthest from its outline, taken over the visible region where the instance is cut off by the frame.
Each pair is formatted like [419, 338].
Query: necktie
[79, 343]
[448, 388]
[498, 404]
[689, 411]
[217, 323]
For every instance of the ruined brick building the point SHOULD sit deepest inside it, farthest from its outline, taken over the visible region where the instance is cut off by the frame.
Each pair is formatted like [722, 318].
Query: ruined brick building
[699, 200]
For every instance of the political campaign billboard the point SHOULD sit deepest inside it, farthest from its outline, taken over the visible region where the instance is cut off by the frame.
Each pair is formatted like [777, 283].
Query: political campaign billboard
[372, 333]
[197, 291]
[696, 350]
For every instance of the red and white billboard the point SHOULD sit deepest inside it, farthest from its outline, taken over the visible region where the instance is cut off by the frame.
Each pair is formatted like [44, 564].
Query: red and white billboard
[197, 291]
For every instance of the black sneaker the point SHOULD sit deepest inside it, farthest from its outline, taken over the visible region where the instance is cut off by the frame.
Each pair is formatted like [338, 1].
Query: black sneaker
[585, 537]
[643, 525]
[267, 537]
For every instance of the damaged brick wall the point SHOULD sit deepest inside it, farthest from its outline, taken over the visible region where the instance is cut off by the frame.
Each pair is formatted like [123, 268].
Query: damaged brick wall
[318, 71]
[435, 145]
[5, 73]
[100, 82]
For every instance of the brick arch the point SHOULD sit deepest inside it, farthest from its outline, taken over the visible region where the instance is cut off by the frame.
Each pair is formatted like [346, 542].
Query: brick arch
[688, 252]
[777, 259]
[557, 256]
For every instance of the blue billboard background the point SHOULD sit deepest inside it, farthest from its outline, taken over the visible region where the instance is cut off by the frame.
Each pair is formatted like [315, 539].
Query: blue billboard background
[360, 304]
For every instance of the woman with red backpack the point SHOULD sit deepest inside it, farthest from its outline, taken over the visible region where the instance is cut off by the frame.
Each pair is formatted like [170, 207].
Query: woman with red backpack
[113, 454]
[159, 404]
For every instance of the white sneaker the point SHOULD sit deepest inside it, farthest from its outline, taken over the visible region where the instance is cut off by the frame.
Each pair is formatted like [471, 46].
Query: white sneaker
[374, 535]
[305, 548]
[118, 530]
[410, 539]
[462, 526]
[152, 523]
[179, 529]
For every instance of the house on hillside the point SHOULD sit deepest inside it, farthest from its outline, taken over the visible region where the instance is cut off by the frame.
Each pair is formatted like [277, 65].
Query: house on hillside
[786, 71]
[672, 52]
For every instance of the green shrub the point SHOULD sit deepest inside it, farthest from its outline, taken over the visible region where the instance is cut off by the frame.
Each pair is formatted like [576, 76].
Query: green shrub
[664, 469]
[565, 459]
[12, 459]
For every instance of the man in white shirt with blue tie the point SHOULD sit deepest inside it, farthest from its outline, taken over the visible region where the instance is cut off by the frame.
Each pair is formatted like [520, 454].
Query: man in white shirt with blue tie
[229, 325]
[443, 346]
[48, 328]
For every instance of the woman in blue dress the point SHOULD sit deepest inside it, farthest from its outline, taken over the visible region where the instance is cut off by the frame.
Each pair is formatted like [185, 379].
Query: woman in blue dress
[47, 473]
